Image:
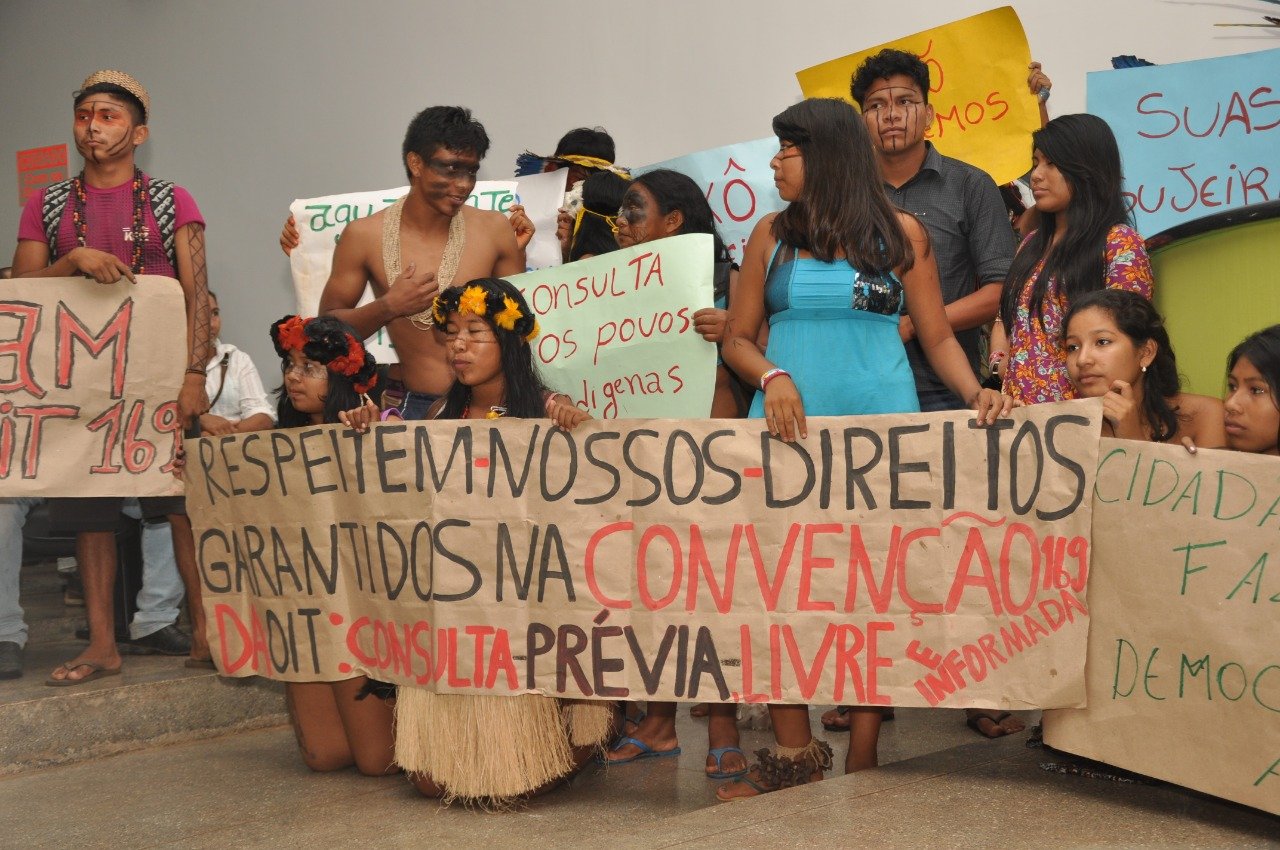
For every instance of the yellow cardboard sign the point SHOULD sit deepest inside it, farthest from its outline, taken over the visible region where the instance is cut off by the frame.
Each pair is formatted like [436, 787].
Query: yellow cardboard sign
[977, 85]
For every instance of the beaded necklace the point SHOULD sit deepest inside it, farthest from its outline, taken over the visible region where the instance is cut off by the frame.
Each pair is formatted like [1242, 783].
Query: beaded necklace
[139, 194]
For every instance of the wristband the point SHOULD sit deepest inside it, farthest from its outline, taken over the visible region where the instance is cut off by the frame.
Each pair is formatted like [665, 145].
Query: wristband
[770, 375]
[191, 370]
[1043, 94]
[997, 357]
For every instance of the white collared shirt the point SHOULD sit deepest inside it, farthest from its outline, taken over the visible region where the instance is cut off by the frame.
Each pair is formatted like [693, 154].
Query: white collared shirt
[242, 392]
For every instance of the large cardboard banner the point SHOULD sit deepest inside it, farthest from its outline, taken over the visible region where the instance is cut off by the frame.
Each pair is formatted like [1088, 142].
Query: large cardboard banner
[88, 378]
[1195, 138]
[321, 221]
[1184, 649]
[617, 330]
[886, 560]
[738, 183]
[977, 86]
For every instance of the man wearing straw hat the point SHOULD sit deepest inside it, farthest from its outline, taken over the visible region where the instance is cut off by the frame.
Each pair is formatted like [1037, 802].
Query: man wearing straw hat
[108, 222]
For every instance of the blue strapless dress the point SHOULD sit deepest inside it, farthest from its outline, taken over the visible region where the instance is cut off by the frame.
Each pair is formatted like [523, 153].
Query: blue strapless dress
[835, 330]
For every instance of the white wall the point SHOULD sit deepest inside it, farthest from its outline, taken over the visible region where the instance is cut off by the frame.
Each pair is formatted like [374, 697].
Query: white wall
[256, 103]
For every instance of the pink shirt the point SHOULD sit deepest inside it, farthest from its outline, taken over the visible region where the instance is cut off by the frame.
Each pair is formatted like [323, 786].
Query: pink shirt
[109, 213]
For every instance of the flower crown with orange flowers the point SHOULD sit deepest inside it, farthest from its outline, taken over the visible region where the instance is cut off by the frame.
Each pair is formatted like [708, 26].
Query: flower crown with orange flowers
[328, 341]
[491, 298]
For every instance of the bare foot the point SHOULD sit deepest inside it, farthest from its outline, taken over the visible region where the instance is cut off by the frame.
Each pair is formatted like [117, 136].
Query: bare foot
[837, 719]
[991, 723]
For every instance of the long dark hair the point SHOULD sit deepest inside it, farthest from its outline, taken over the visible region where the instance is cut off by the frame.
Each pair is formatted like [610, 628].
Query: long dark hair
[1262, 349]
[1084, 149]
[524, 393]
[602, 194]
[842, 209]
[1138, 319]
[352, 369]
[675, 191]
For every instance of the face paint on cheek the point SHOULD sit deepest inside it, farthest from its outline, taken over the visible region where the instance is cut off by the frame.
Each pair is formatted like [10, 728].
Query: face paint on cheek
[120, 146]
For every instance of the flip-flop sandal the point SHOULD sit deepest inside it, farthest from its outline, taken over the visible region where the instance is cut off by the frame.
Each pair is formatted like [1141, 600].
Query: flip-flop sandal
[718, 753]
[96, 671]
[646, 751]
[975, 723]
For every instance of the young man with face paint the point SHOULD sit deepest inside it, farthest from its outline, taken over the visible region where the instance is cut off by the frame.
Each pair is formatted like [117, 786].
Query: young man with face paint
[429, 240]
[957, 203]
[113, 221]
[962, 209]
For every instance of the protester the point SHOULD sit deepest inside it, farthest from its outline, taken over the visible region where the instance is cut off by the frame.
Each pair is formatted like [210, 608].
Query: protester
[1118, 350]
[589, 230]
[831, 272]
[658, 204]
[327, 372]
[665, 203]
[419, 245]
[959, 205]
[480, 748]
[237, 400]
[113, 221]
[583, 151]
[395, 250]
[13, 626]
[964, 214]
[1084, 243]
[1252, 405]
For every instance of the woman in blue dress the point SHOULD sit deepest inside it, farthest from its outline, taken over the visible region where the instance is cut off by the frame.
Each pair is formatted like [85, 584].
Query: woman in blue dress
[832, 273]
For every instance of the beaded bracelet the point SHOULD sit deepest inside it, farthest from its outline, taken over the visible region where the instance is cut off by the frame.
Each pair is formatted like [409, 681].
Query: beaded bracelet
[770, 375]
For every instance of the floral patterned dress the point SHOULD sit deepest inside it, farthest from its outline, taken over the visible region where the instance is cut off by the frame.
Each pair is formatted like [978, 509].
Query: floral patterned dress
[1037, 370]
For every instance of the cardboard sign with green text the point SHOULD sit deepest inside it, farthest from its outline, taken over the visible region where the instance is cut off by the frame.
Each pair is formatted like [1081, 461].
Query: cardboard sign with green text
[1184, 650]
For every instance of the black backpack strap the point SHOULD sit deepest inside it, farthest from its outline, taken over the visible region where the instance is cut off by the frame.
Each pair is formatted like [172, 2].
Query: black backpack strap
[51, 212]
[165, 211]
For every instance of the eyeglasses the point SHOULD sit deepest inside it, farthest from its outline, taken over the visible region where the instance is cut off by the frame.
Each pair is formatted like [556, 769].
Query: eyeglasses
[308, 369]
[454, 170]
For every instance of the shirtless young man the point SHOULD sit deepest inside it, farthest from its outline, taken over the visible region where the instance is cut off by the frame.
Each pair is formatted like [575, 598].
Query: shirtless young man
[430, 239]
